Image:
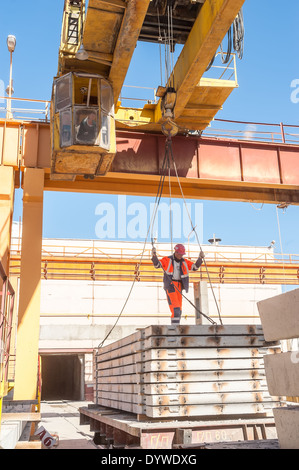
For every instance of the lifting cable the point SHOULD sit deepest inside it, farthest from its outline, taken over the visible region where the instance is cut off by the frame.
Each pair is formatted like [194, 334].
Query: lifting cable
[235, 38]
[165, 167]
[167, 160]
[157, 202]
[280, 242]
[169, 146]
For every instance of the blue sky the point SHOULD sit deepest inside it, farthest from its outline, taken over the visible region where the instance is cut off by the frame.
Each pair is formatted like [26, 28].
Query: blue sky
[265, 74]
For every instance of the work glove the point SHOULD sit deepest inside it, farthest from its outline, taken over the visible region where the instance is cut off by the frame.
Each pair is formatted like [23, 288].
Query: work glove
[199, 260]
[155, 260]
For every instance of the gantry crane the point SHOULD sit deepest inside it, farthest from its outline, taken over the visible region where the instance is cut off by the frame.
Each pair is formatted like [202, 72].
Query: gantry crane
[97, 45]
[94, 56]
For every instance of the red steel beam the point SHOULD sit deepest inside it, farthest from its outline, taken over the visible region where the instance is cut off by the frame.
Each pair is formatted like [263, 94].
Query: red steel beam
[209, 168]
[210, 158]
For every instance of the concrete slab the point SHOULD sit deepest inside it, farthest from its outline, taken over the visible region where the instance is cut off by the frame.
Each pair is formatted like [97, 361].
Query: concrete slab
[279, 316]
[10, 433]
[185, 354]
[282, 374]
[287, 426]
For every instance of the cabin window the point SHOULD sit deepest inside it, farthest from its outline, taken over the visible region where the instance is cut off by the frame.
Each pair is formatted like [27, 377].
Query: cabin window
[86, 90]
[106, 97]
[86, 122]
[86, 108]
[105, 131]
[66, 128]
[106, 110]
[63, 93]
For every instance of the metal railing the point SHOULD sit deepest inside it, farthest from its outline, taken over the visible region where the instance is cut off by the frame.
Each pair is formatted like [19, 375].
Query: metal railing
[93, 249]
[140, 95]
[217, 71]
[218, 128]
[220, 71]
[253, 131]
[7, 296]
[39, 110]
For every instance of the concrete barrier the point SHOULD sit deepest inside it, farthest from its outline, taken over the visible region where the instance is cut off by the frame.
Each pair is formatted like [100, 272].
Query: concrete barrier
[287, 426]
[282, 373]
[280, 316]
[280, 321]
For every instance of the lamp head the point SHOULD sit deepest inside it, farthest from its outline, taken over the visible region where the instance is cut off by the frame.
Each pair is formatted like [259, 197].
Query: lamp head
[81, 54]
[11, 42]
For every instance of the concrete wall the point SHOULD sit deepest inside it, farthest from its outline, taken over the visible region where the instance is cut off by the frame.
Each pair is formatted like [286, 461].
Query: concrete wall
[77, 315]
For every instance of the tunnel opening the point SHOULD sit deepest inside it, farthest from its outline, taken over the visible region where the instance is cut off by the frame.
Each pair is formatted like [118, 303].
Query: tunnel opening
[61, 377]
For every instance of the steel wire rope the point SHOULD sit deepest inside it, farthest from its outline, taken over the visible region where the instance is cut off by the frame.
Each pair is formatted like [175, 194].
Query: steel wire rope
[193, 228]
[238, 34]
[188, 300]
[225, 57]
[235, 39]
[168, 141]
[168, 161]
[170, 209]
[281, 249]
[160, 39]
[157, 202]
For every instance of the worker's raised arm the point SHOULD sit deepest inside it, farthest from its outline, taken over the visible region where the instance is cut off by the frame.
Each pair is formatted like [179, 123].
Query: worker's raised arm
[198, 262]
[155, 260]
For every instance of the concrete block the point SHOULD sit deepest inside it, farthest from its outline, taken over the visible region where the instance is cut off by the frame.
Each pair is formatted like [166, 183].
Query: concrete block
[287, 426]
[282, 373]
[280, 316]
[10, 433]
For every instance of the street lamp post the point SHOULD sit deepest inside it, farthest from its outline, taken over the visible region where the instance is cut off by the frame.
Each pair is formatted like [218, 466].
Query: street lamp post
[11, 44]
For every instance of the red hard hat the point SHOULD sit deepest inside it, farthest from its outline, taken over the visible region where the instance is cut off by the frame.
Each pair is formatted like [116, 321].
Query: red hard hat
[180, 249]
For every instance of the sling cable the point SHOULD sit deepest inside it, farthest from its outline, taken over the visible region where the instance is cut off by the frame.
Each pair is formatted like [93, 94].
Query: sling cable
[165, 169]
[169, 129]
[167, 160]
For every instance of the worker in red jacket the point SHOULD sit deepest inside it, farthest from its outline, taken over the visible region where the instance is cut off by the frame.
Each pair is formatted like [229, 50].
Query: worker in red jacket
[176, 277]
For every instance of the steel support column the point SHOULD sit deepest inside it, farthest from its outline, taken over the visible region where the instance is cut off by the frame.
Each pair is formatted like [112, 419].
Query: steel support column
[30, 279]
[6, 213]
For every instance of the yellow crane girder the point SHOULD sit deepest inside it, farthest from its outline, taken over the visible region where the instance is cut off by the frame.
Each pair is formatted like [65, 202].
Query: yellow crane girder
[109, 32]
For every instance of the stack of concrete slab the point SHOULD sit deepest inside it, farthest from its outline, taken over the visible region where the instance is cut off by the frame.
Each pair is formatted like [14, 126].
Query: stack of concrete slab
[280, 321]
[181, 371]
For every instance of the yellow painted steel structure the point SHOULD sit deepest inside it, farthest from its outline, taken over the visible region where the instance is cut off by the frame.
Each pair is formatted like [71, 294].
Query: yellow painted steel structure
[110, 49]
[61, 268]
[7, 335]
[6, 213]
[97, 263]
[29, 293]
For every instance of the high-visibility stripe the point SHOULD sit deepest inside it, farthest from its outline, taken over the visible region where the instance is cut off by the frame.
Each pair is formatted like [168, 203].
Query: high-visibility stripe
[186, 273]
[168, 270]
